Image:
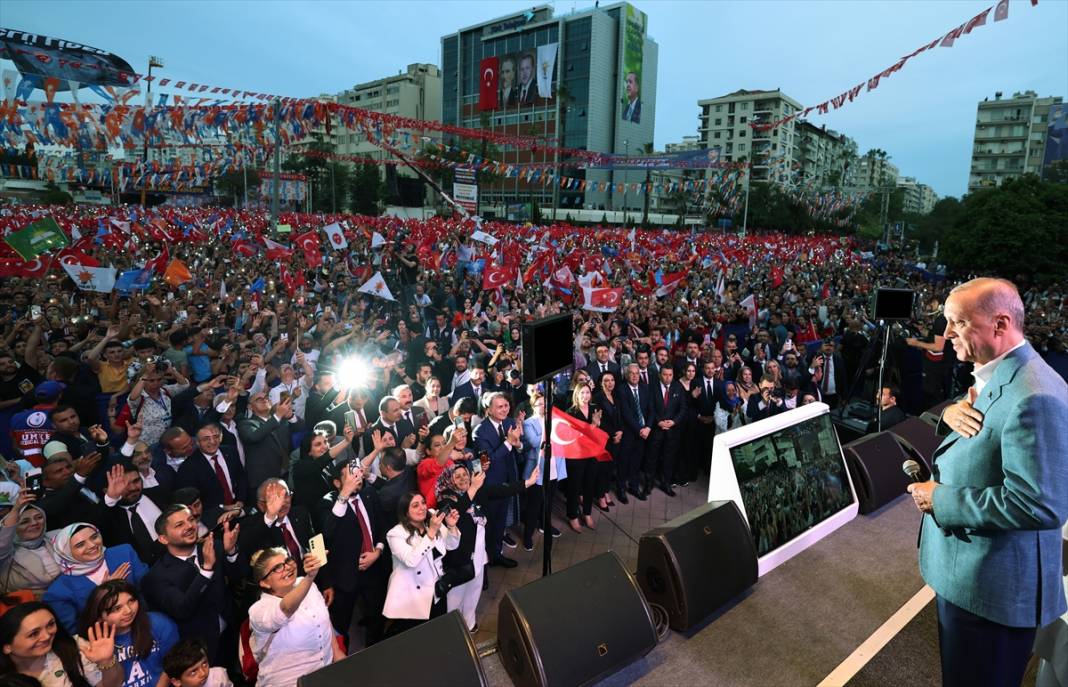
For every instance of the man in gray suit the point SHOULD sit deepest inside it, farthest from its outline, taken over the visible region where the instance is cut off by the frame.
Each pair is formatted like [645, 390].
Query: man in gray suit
[990, 542]
[265, 436]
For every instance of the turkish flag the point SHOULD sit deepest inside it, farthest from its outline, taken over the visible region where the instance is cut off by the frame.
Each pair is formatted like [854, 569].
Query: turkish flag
[602, 300]
[495, 277]
[487, 88]
[158, 264]
[70, 256]
[309, 243]
[573, 438]
[277, 251]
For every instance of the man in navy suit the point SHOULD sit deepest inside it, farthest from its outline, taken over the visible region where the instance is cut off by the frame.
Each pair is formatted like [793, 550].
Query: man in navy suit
[501, 438]
[637, 426]
[391, 421]
[764, 404]
[713, 392]
[188, 582]
[216, 472]
[669, 410]
[473, 388]
[359, 566]
[265, 437]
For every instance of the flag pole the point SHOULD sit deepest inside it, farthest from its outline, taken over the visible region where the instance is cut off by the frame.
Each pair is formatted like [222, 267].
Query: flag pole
[547, 485]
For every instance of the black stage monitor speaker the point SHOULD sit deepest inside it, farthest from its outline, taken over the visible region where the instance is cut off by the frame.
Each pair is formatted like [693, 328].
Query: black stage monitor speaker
[933, 414]
[698, 562]
[874, 464]
[918, 437]
[548, 347]
[575, 626]
[893, 304]
[438, 652]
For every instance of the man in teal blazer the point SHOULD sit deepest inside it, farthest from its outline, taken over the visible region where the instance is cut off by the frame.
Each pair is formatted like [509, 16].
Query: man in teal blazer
[990, 542]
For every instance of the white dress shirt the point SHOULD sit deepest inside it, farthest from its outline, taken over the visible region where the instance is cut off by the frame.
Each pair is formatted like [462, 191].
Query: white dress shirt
[985, 372]
[299, 644]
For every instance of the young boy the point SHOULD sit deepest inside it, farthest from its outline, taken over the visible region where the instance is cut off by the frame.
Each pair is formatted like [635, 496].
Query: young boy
[186, 665]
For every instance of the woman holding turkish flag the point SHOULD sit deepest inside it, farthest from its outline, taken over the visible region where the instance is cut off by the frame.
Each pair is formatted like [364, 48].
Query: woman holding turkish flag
[578, 437]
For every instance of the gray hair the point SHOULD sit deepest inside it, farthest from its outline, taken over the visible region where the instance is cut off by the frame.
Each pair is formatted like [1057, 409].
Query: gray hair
[995, 297]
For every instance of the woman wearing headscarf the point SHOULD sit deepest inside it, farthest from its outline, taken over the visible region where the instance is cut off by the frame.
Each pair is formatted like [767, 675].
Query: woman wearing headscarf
[84, 563]
[463, 566]
[26, 560]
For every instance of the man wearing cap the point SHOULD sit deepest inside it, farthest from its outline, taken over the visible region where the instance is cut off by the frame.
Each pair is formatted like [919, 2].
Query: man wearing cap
[32, 428]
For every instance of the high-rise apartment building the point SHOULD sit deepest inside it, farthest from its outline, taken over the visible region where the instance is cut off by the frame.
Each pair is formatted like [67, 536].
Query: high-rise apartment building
[920, 198]
[725, 124]
[586, 80]
[825, 156]
[1010, 138]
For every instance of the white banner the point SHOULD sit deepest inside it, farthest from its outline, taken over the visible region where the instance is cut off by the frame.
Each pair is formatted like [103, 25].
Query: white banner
[546, 69]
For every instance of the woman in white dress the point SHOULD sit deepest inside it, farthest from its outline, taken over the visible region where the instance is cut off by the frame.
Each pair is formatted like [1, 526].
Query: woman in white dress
[291, 631]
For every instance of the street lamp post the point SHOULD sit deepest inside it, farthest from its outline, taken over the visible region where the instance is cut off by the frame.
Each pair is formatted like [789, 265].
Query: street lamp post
[153, 61]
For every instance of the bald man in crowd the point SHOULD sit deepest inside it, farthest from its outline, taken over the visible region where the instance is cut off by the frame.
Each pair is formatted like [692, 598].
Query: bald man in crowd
[990, 543]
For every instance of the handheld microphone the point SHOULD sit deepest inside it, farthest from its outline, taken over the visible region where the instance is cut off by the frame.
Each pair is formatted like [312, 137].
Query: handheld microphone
[912, 469]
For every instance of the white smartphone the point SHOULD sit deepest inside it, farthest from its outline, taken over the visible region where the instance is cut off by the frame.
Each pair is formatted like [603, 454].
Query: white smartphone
[317, 547]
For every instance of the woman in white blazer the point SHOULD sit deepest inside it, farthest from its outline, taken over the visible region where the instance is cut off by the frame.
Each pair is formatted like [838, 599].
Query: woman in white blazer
[433, 402]
[418, 543]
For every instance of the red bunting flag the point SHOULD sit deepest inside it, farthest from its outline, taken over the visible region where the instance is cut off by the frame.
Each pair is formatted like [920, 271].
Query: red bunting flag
[573, 438]
[1002, 10]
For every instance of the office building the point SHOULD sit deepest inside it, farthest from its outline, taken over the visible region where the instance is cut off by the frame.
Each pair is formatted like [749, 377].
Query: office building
[586, 79]
[1010, 138]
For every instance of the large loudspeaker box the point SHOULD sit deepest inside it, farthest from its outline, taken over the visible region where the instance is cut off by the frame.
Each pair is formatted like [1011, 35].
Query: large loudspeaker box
[918, 438]
[698, 562]
[874, 464]
[438, 652]
[575, 626]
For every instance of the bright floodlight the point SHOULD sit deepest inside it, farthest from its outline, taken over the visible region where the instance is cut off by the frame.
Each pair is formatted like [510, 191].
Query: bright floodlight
[352, 373]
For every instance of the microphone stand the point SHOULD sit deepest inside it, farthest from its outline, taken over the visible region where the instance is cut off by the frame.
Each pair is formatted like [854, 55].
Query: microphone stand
[882, 367]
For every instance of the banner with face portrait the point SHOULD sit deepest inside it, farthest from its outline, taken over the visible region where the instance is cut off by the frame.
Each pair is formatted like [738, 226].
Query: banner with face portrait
[523, 79]
[634, 22]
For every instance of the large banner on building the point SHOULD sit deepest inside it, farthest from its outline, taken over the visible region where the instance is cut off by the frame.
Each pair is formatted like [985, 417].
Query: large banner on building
[634, 21]
[465, 189]
[1056, 135]
[687, 159]
[517, 80]
[56, 58]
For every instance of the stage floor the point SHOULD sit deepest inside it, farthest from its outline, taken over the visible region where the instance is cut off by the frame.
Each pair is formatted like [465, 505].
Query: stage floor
[793, 628]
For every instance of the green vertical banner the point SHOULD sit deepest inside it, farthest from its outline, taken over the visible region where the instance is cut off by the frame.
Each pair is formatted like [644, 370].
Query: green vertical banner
[40, 237]
[634, 21]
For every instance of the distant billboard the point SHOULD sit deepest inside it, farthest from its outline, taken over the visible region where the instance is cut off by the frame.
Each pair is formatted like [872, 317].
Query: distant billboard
[1056, 135]
[634, 22]
[517, 80]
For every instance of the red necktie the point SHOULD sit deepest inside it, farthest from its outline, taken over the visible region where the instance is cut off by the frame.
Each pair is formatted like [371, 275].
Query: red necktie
[228, 496]
[363, 418]
[368, 545]
[290, 542]
[665, 396]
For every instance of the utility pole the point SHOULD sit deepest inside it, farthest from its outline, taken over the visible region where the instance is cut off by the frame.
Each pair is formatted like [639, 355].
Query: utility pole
[748, 183]
[153, 61]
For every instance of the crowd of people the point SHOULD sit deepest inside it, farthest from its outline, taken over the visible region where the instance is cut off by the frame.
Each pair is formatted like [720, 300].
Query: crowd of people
[270, 437]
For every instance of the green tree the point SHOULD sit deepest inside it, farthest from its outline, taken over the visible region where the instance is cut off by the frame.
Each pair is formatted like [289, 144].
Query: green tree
[1056, 172]
[1014, 231]
[367, 189]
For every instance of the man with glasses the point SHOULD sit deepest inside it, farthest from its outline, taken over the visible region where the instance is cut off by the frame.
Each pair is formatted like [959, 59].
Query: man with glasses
[265, 437]
[216, 472]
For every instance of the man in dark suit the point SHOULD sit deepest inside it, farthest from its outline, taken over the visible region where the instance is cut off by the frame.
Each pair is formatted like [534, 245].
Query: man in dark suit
[766, 403]
[130, 512]
[415, 415]
[265, 436]
[713, 393]
[216, 472]
[646, 373]
[601, 364]
[391, 421]
[527, 89]
[189, 582]
[669, 410]
[398, 478]
[193, 407]
[359, 565]
[276, 522]
[501, 438]
[637, 416]
[828, 373]
[473, 388]
[632, 112]
[692, 357]
[892, 413]
[990, 543]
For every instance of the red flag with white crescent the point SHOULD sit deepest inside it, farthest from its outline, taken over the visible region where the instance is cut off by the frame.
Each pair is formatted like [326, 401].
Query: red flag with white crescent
[602, 299]
[487, 87]
[573, 438]
[496, 276]
[309, 244]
